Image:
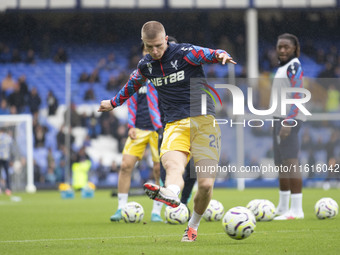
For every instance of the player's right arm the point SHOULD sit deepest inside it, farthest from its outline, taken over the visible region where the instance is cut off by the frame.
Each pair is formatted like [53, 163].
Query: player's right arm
[132, 110]
[135, 81]
[132, 113]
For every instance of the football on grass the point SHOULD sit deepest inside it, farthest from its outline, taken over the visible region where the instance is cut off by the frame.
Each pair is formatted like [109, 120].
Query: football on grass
[326, 208]
[239, 222]
[132, 212]
[177, 215]
[214, 212]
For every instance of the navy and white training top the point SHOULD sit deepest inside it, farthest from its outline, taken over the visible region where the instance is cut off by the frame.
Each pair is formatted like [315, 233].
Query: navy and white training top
[178, 78]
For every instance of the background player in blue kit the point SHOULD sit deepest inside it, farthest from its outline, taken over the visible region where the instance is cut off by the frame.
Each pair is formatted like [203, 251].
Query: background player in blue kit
[170, 67]
[286, 141]
[143, 122]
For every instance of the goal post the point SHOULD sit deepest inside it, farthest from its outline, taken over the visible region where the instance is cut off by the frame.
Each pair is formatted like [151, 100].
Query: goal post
[23, 136]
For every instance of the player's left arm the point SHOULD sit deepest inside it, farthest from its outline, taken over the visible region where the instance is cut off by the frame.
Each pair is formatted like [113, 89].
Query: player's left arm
[200, 55]
[295, 76]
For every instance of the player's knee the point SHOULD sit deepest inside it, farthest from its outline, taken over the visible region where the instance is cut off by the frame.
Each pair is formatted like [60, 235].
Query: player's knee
[126, 167]
[205, 187]
[173, 166]
[156, 168]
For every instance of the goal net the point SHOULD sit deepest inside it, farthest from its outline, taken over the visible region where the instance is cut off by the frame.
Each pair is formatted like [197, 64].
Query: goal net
[21, 171]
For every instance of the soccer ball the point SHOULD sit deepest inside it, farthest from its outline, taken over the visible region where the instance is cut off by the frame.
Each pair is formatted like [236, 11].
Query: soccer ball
[132, 212]
[252, 205]
[239, 222]
[177, 215]
[326, 208]
[264, 211]
[214, 212]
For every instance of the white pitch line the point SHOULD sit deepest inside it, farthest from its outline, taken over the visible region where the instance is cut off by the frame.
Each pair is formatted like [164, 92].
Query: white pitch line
[143, 236]
[80, 239]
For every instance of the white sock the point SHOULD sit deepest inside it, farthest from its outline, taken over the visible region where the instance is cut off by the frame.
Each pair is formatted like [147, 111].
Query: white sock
[195, 220]
[122, 200]
[283, 201]
[174, 188]
[157, 207]
[296, 203]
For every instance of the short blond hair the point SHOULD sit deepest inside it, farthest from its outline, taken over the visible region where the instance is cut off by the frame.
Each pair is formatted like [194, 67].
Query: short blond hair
[152, 29]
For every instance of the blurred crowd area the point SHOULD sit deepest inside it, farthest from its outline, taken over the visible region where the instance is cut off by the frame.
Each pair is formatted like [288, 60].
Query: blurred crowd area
[34, 48]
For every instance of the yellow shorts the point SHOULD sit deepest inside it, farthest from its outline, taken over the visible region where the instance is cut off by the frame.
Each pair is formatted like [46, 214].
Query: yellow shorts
[136, 147]
[196, 136]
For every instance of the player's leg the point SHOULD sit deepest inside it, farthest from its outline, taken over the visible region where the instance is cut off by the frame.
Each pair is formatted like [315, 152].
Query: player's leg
[189, 182]
[294, 182]
[205, 147]
[162, 169]
[8, 189]
[284, 194]
[124, 176]
[156, 172]
[295, 189]
[202, 198]
[174, 162]
[162, 174]
[154, 148]
[124, 182]
[175, 150]
[132, 152]
[157, 206]
[290, 181]
[284, 184]
[205, 183]
[1, 176]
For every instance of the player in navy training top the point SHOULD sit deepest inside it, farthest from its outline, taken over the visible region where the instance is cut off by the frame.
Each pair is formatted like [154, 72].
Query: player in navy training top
[188, 132]
[285, 137]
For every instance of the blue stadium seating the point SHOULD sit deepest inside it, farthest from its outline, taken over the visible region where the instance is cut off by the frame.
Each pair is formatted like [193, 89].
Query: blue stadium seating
[47, 75]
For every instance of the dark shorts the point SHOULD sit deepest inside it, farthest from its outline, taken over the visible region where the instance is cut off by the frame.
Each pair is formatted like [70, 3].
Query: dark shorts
[289, 147]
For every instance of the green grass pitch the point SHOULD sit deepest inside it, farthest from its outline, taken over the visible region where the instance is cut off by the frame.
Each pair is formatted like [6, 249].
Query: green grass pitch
[43, 223]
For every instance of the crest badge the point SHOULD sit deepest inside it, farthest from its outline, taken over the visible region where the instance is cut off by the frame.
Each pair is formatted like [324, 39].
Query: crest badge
[174, 64]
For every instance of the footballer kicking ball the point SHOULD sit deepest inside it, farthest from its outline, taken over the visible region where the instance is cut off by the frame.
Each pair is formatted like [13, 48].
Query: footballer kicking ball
[177, 215]
[132, 212]
[214, 211]
[239, 222]
[264, 211]
[326, 208]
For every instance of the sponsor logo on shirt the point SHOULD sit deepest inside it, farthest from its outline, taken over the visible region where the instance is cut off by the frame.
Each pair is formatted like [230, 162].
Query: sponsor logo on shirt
[172, 78]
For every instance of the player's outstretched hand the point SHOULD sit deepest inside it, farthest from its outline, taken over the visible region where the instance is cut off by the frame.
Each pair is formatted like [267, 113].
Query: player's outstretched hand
[225, 58]
[105, 106]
